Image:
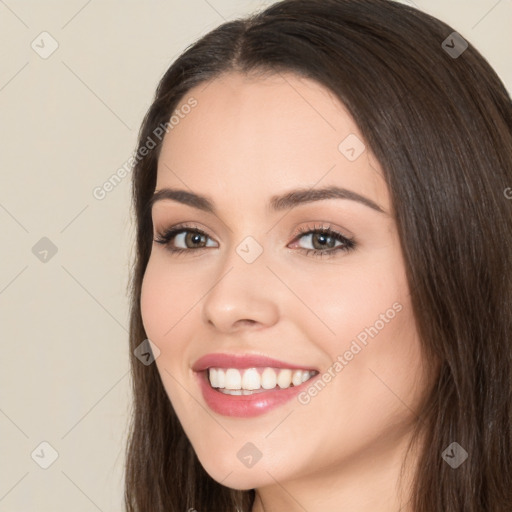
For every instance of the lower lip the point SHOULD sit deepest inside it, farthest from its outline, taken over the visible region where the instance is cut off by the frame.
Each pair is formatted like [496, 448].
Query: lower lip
[246, 406]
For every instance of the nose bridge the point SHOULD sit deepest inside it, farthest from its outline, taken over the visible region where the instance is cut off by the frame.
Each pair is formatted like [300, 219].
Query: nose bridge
[237, 293]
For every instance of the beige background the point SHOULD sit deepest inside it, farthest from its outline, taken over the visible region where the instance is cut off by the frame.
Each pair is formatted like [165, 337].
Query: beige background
[67, 123]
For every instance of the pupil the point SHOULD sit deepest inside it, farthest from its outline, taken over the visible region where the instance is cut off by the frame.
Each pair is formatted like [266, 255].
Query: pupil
[196, 238]
[322, 238]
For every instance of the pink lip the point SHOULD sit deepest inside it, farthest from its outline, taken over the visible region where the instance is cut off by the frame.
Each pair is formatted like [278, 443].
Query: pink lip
[241, 362]
[244, 406]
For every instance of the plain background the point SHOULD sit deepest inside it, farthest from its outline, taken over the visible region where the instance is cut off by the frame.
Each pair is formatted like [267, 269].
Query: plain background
[67, 123]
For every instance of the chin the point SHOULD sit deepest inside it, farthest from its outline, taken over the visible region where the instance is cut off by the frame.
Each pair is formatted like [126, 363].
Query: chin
[235, 475]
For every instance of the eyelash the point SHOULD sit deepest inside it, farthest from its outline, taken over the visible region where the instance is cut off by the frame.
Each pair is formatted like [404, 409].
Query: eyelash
[348, 244]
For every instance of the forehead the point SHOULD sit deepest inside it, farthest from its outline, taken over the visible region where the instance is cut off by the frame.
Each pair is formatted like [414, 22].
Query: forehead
[253, 136]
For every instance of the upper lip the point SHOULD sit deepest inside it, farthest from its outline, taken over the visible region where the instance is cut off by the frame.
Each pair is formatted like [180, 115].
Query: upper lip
[241, 361]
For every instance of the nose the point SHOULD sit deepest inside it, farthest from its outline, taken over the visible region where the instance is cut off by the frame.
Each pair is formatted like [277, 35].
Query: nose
[243, 295]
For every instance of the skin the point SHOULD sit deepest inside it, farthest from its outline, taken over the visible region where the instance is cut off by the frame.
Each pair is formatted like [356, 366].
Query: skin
[249, 138]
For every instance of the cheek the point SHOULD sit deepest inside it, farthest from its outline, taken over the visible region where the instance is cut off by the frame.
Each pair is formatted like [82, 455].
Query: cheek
[364, 320]
[165, 302]
[152, 302]
[170, 308]
[347, 299]
[381, 373]
[160, 307]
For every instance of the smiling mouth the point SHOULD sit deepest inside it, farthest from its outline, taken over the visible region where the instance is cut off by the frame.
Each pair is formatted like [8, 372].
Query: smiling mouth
[232, 381]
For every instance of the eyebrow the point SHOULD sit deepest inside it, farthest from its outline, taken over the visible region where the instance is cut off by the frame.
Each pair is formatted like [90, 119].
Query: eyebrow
[286, 201]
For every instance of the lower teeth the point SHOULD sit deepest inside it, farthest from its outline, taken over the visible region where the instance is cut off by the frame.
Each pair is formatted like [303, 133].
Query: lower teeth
[246, 391]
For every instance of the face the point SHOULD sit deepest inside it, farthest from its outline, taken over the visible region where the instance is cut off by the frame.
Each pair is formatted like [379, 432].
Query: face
[268, 289]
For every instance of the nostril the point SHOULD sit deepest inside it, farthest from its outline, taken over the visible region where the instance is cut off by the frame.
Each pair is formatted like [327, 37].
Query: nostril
[247, 321]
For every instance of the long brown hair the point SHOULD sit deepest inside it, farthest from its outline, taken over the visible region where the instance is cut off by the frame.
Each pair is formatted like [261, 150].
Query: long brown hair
[440, 124]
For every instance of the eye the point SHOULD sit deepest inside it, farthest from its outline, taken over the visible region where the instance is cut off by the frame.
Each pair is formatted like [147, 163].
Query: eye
[324, 240]
[189, 237]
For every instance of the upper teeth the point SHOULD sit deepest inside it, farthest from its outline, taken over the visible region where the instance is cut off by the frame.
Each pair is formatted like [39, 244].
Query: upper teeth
[256, 378]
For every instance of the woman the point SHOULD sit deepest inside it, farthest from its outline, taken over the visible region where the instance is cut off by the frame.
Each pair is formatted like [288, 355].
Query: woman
[323, 265]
